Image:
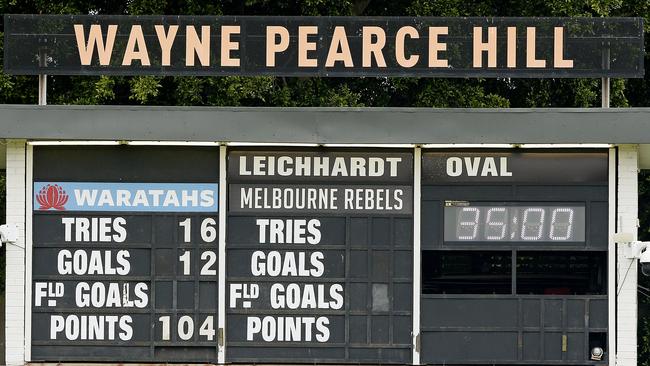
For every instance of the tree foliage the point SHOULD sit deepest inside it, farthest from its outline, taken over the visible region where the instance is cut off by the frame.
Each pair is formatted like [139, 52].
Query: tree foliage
[369, 92]
[344, 92]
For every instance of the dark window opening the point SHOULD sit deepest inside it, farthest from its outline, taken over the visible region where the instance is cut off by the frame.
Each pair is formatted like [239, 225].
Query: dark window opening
[466, 272]
[561, 273]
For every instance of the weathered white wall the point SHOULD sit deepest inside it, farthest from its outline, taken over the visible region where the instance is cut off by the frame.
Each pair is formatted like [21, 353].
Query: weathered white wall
[15, 267]
[626, 271]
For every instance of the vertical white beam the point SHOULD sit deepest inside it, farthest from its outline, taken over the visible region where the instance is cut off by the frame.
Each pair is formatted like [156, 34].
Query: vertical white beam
[626, 272]
[221, 355]
[42, 89]
[29, 196]
[417, 253]
[611, 259]
[15, 255]
[604, 93]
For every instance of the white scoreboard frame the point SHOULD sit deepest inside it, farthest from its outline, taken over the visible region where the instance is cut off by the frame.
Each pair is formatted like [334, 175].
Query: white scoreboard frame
[614, 184]
[611, 258]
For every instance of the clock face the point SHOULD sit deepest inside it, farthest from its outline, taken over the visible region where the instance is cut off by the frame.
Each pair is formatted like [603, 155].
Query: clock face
[513, 222]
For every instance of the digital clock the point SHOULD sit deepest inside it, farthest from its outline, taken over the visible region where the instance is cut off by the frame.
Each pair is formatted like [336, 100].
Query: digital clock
[513, 222]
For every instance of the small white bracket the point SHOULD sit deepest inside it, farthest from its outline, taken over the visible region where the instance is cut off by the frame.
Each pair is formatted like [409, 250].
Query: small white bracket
[632, 249]
[9, 233]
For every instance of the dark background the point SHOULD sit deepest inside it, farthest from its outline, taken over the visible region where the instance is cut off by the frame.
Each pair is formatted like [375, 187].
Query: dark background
[154, 242]
[369, 252]
[511, 301]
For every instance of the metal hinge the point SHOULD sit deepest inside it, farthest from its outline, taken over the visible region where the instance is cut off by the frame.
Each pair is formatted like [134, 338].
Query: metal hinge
[220, 337]
[564, 342]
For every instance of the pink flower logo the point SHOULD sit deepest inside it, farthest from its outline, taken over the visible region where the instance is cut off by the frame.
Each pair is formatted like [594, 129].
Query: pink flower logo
[52, 196]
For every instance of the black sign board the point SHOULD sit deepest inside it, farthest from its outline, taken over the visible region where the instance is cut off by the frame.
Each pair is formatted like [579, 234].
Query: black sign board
[514, 256]
[125, 255]
[319, 256]
[324, 46]
[514, 166]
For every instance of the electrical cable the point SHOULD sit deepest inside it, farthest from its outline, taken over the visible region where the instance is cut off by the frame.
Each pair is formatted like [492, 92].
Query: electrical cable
[625, 277]
[644, 293]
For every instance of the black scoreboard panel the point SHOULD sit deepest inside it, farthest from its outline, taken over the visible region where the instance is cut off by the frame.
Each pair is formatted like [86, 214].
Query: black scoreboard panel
[125, 254]
[319, 255]
[514, 256]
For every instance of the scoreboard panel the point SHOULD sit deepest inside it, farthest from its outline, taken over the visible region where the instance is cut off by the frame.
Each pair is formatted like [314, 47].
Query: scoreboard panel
[514, 256]
[319, 255]
[513, 222]
[125, 254]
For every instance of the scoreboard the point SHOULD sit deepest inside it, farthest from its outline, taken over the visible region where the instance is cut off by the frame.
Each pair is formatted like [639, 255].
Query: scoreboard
[319, 256]
[125, 254]
[514, 255]
[320, 246]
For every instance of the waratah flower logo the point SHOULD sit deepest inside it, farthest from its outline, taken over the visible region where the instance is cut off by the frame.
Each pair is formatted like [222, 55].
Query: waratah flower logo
[52, 196]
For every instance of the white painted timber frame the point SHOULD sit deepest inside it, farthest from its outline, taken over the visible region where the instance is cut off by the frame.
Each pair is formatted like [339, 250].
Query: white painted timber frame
[29, 214]
[221, 292]
[622, 272]
[626, 270]
[611, 259]
[417, 253]
[16, 341]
